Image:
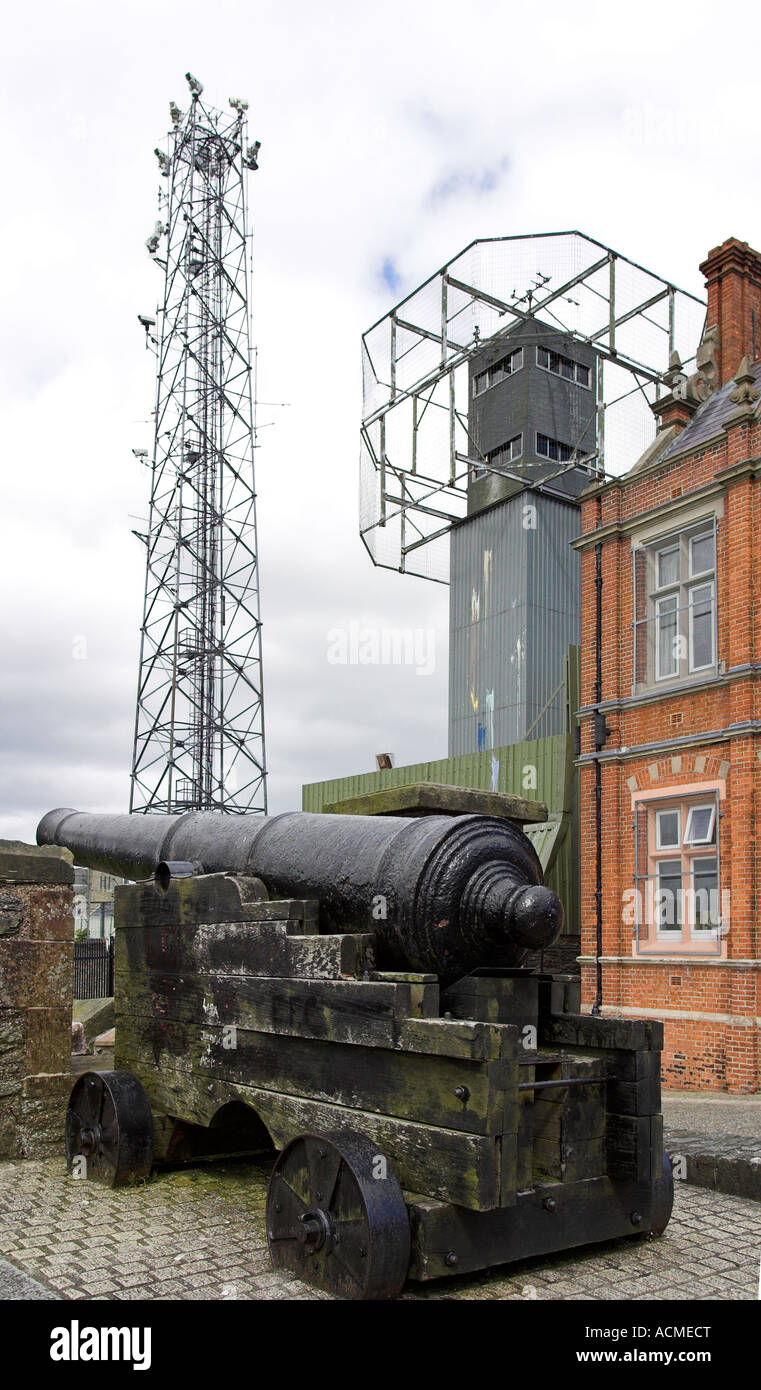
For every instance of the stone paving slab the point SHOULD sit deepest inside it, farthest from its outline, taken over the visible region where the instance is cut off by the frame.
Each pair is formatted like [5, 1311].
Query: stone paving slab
[198, 1234]
[730, 1164]
[18, 1287]
[718, 1139]
[713, 1113]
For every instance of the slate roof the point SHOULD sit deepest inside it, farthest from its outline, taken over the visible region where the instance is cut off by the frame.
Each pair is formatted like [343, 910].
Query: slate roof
[708, 418]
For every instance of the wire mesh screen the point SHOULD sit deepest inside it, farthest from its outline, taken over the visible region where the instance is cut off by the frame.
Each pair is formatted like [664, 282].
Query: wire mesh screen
[417, 445]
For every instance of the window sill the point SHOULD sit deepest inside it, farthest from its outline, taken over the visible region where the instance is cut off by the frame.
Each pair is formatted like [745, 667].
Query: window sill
[682, 685]
[683, 950]
[741, 963]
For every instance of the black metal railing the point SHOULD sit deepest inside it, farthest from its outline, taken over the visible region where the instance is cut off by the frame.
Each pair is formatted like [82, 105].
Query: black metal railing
[94, 969]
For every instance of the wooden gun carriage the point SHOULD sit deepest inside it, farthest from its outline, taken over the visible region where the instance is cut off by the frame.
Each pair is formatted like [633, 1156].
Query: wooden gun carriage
[425, 1125]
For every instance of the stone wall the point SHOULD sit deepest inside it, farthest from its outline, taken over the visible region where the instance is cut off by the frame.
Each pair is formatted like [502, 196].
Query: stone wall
[36, 984]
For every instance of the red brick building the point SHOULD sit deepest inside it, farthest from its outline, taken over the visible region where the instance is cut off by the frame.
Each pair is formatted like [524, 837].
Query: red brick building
[670, 719]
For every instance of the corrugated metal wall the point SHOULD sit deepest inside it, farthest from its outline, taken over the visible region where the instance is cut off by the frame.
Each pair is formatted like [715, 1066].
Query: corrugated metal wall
[514, 610]
[549, 756]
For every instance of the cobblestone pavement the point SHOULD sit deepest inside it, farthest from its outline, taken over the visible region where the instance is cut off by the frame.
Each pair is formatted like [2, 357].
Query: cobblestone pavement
[198, 1233]
[16, 1285]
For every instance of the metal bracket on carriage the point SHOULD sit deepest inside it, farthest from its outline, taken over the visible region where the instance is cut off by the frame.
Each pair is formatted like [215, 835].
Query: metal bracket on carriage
[175, 868]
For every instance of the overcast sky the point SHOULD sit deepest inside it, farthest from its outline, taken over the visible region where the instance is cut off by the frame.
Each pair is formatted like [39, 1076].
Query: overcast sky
[391, 137]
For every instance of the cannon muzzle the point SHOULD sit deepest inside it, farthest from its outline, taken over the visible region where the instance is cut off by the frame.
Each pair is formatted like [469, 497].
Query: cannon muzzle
[444, 894]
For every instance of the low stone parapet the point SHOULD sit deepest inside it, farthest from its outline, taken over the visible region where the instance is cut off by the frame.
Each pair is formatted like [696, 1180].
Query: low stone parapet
[36, 983]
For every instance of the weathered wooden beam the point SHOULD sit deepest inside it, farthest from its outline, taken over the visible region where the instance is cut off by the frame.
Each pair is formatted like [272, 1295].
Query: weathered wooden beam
[582, 1030]
[524, 1174]
[353, 1011]
[458, 1038]
[568, 1160]
[272, 948]
[559, 994]
[447, 1240]
[495, 997]
[636, 1066]
[635, 1146]
[472, 1097]
[454, 1167]
[635, 1097]
[205, 898]
[437, 798]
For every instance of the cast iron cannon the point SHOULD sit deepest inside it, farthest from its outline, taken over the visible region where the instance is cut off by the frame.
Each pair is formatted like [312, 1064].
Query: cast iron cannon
[346, 991]
[441, 893]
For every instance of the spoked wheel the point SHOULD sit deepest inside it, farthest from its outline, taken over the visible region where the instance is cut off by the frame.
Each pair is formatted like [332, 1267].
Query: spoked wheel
[336, 1217]
[663, 1199]
[109, 1128]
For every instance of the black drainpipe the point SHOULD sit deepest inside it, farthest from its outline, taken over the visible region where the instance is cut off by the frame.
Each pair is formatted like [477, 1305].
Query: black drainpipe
[600, 735]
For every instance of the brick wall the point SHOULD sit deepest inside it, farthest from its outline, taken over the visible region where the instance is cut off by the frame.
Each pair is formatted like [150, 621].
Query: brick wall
[36, 982]
[711, 1008]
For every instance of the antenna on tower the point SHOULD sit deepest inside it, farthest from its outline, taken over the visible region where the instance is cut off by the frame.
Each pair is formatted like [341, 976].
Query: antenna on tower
[199, 722]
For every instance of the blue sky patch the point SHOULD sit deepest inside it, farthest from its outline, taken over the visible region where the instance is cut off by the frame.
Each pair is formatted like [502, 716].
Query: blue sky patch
[390, 275]
[467, 182]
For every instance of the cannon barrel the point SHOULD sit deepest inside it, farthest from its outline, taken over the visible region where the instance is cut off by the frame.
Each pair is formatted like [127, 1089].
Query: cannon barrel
[444, 894]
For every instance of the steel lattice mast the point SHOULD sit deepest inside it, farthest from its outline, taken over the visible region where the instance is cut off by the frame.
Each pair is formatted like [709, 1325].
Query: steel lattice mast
[199, 726]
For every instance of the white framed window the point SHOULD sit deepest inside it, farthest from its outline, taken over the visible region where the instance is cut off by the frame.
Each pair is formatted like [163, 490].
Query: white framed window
[703, 902]
[675, 619]
[702, 558]
[677, 874]
[667, 566]
[666, 637]
[701, 825]
[669, 897]
[668, 833]
[701, 607]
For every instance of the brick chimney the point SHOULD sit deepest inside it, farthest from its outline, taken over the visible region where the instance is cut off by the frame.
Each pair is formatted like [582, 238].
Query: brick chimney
[733, 281]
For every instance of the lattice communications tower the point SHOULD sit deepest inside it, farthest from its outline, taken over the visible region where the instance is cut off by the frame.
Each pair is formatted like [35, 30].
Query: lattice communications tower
[199, 726]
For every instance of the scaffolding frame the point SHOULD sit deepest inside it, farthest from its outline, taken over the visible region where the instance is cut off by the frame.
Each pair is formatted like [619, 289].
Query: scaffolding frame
[199, 723]
[415, 363]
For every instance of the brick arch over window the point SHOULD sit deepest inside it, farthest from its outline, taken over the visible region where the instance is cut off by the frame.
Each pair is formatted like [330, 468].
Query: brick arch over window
[664, 770]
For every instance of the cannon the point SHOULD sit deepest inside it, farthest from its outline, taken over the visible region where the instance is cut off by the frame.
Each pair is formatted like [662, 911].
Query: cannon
[442, 893]
[350, 996]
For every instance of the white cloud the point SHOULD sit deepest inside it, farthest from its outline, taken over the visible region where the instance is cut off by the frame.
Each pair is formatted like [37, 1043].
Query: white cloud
[528, 119]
